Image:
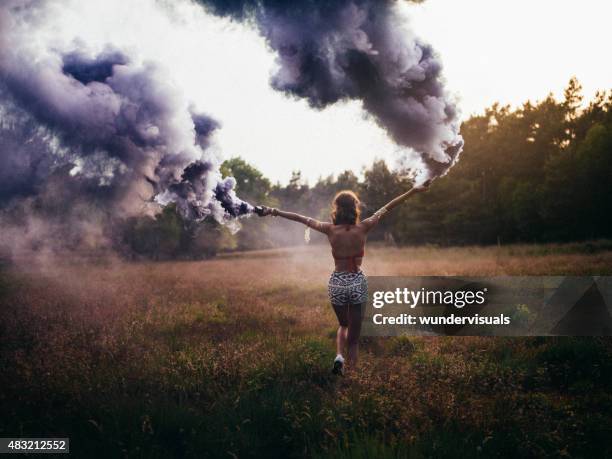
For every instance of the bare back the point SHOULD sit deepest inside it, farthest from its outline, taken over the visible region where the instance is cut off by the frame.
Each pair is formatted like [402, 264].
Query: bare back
[348, 244]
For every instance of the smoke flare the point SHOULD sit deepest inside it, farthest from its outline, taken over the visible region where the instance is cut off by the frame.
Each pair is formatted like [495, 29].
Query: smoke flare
[117, 131]
[93, 135]
[328, 51]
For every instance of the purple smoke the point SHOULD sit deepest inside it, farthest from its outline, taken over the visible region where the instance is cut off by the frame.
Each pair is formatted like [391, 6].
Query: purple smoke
[84, 129]
[115, 130]
[329, 51]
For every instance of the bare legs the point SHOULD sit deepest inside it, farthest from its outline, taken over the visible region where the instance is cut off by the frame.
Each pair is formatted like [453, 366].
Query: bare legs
[341, 335]
[347, 336]
[352, 336]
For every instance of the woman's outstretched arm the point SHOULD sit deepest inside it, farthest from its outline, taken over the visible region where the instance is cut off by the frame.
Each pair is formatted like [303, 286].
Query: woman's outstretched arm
[322, 227]
[380, 213]
[402, 197]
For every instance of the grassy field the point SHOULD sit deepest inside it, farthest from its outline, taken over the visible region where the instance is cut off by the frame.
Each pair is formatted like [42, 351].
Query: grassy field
[231, 358]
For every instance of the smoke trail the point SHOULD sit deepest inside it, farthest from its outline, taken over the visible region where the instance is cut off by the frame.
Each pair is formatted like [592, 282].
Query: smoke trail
[86, 132]
[328, 51]
[114, 132]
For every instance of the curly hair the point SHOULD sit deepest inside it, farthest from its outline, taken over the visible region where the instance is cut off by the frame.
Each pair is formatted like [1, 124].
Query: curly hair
[345, 208]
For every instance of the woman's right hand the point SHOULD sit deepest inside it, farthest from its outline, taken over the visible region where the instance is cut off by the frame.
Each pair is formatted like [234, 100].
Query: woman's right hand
[422, 187]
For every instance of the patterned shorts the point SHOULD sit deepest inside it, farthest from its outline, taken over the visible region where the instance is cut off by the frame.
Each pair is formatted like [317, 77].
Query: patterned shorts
[348, 288]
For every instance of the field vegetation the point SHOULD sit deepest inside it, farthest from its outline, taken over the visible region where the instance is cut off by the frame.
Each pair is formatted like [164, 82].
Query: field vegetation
[231, 357]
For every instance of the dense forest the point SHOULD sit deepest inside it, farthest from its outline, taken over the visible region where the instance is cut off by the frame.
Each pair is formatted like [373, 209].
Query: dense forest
[541, 172]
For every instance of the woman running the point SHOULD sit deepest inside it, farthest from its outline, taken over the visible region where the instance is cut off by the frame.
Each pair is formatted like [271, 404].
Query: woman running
[348, 287]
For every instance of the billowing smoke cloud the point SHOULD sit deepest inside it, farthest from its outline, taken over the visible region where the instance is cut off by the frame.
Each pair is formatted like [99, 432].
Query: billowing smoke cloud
[359, 49]
[93, 135]
[114, 132]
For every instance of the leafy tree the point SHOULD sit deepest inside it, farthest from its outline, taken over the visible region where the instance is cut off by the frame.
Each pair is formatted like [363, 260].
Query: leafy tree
[252, 186]
[539, 172]
[380, 185]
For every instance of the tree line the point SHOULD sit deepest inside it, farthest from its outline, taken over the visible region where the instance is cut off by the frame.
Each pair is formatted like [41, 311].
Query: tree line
[541, 172]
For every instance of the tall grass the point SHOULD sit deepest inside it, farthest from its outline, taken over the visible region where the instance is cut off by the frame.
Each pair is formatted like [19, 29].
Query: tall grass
[231, 358]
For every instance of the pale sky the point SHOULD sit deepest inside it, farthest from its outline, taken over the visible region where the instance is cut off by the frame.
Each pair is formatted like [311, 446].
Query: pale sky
[514, 50]
[492, 50]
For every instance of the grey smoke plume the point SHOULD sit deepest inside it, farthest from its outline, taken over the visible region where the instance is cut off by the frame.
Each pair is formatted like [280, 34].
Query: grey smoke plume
[114, 132]
[328, 51]
[88, 132]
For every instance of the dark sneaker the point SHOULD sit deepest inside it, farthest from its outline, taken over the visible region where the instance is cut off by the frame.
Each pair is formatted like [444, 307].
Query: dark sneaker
[338, 367]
